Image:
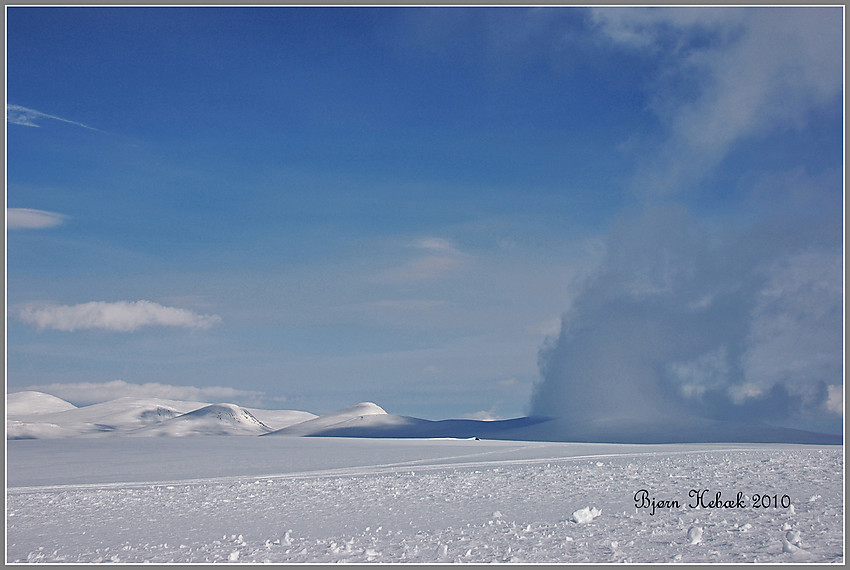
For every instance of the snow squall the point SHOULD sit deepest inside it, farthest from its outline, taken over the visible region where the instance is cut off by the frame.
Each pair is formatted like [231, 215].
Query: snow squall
[684, 328]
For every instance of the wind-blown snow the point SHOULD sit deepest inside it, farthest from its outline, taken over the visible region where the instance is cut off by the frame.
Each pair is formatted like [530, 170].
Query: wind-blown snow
[681, 323]
[291, 500]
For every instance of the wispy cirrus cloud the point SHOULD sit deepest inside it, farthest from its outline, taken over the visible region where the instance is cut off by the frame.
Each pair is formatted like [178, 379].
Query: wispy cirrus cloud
[121, 316]
[751, 71]
[439, 256]
[29, 219]
[18, 115]
[85, 393]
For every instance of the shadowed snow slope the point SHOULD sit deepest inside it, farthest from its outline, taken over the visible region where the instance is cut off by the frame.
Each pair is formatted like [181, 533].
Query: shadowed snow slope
[278, 419]
[405, 427]
[548, 429]
[664, 430]
[215, 419]
[695, 430]
[347, 417]
[30, 403]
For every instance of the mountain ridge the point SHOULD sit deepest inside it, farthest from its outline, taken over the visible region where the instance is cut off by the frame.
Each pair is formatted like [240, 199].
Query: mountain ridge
[49, 417]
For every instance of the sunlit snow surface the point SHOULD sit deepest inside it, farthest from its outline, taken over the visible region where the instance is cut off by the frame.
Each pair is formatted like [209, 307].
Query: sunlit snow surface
[230, 499]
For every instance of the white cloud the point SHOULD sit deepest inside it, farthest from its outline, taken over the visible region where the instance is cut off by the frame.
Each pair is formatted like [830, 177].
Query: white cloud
[440, 258]
[706, 372]
[85, 393]
[641, 27]
[436, 244]
[124, 316]
[795, 333]
[760, 351]
[483, 415]
[835, 401]
[763, 69]
[740, 394]
[26, 218]
[18, 115]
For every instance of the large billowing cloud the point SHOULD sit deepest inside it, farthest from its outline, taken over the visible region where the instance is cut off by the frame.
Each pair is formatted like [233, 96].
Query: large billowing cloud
[85, 393]
[682, 320]
[737, 318]
[123, 316]
[26, 218]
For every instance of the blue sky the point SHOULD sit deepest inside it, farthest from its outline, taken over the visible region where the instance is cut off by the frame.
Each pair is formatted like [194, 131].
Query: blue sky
[311, 207]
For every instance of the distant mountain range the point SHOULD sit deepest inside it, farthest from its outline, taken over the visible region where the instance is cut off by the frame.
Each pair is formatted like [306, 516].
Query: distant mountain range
[36, 415]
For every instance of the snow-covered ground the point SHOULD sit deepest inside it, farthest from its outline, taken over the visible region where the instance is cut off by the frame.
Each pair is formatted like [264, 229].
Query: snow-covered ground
[296, 499]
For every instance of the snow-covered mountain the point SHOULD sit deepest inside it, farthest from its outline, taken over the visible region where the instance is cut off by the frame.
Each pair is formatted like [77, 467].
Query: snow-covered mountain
[603, 430]
[369, 420]
[278, 419]
[363, 413]
[36, 415]
[21, 405]
[28, 413]
[113, 417]
[215, 419]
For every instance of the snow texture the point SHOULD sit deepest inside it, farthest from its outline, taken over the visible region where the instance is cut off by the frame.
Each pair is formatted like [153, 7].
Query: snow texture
[391, 488]
[323, 500]
[585, 515]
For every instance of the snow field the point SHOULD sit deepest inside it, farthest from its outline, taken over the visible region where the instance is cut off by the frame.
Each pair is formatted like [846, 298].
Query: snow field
[495, 512]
